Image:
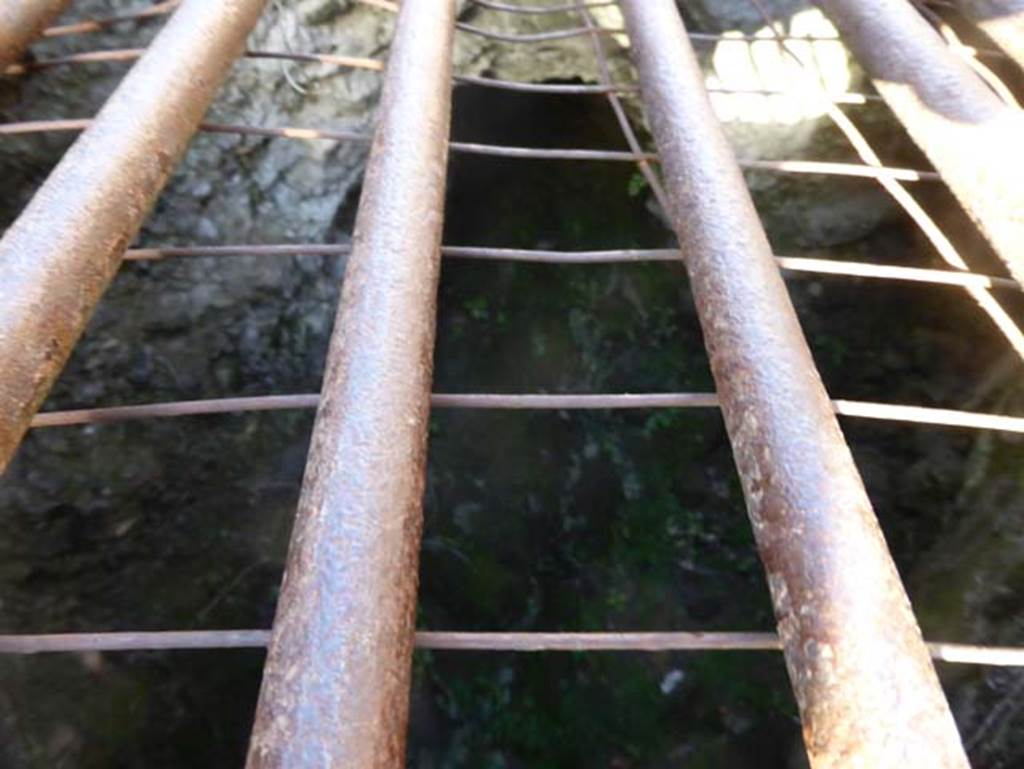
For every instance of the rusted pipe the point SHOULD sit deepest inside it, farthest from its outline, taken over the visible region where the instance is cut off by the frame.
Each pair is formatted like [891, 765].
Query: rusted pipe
[21, 22]
[59, 256]
[1001, 20]
[336, 684]
[867, 692]
[970, 135]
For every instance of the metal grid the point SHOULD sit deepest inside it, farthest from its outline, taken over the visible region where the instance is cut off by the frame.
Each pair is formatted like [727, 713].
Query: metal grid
[977, 285]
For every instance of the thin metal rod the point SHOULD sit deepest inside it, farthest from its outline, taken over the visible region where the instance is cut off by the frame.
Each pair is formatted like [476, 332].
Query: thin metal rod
[104, 22]
[86, 57]
[867, 692]
[550, 88]
[175, 409]
[895, 272]
[21, 22]
[537, 37]
[839, 169]
[624, 256]
[387, 5]
[59, 256]
[697, 37]
[812, 167]
[173, 640]
[127, 54]
[338, 673]
[185, 640]
[968, 133]
[542, 402]
[538, 10]
[356, 62]
[109, 55]
[604, 69]
[538, 153]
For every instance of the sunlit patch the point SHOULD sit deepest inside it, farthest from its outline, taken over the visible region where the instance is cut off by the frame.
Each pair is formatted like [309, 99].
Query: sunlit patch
[758, 66]
[610, 17]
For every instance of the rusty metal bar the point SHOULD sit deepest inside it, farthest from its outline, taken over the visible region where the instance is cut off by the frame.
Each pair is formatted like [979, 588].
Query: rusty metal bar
[23, 21]
[970, 136]
[184, 640]
[1001, 20]
[336, 684]
[865, 686]
[886, 412]
[59, 256]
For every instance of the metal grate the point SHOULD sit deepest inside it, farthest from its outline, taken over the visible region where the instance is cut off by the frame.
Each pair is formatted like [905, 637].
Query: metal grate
[853, 648]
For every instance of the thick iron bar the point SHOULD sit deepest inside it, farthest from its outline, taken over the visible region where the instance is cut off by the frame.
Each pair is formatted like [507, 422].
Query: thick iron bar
[887, 412]
[970, 136]
[336, 684]
[1001, 20]
[865, 686]
[59, 256]
[21, 22]
[184, 640]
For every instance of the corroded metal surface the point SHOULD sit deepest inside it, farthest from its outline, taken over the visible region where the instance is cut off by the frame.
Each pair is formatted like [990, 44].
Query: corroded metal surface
[21, 22]
[336, 685]
[867, 692]
[971, 137]
[57, 259]
[1002, 20]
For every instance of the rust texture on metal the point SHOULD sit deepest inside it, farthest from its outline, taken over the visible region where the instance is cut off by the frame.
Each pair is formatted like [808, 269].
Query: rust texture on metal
[59, 256]
[1002, 20]
[867, 692]
[336, 684]
[21, 22]
[968, 133]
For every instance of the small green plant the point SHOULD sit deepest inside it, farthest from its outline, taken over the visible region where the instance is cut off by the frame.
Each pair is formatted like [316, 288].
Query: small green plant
[637, 184]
